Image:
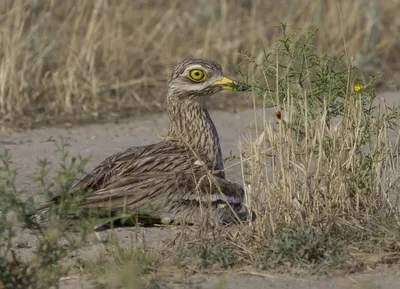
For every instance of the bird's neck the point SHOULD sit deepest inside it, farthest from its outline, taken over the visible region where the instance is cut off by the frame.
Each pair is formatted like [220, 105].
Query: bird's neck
[191, 124]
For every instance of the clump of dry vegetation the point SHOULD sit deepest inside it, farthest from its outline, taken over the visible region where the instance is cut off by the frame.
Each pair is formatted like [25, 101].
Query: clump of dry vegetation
[73, 61]
[323, 176]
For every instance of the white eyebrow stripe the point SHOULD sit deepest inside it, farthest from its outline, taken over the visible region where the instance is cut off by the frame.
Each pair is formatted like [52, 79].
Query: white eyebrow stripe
[195, 66]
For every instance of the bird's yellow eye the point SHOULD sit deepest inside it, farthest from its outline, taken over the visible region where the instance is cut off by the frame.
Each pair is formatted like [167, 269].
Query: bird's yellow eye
[197, 74]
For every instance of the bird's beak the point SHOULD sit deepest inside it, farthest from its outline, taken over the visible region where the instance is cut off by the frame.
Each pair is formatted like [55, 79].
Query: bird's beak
[228, 84]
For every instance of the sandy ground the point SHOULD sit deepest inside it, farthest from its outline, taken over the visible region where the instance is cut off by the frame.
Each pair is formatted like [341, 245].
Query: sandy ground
[100, 141]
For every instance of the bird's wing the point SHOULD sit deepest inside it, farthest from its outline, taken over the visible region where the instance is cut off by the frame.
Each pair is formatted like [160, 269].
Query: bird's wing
[155, 158]
[166, 195]
[141, 182]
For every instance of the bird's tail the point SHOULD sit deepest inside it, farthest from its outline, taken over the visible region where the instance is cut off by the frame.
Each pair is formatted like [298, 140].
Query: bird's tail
[52, 212]
[97, 219]
[38, 218]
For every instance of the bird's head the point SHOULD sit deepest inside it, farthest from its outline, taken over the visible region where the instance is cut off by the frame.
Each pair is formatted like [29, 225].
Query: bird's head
[194, 78]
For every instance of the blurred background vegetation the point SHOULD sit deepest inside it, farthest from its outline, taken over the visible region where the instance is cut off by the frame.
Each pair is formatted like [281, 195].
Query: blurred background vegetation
[100, 60]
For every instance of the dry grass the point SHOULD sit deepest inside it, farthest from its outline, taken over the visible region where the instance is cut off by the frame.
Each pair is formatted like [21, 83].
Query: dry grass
[76, 61]
[323, 176]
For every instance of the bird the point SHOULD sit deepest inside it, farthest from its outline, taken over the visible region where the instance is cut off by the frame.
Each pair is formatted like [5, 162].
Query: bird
[179, 179]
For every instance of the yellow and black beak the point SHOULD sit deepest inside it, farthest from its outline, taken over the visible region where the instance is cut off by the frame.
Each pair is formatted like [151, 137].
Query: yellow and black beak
[229, 84]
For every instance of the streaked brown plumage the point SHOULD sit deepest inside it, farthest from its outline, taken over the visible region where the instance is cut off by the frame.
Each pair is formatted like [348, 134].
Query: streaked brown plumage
[161, 180]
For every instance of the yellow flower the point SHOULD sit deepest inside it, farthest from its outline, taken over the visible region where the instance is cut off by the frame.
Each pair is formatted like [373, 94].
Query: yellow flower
[358, 88]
